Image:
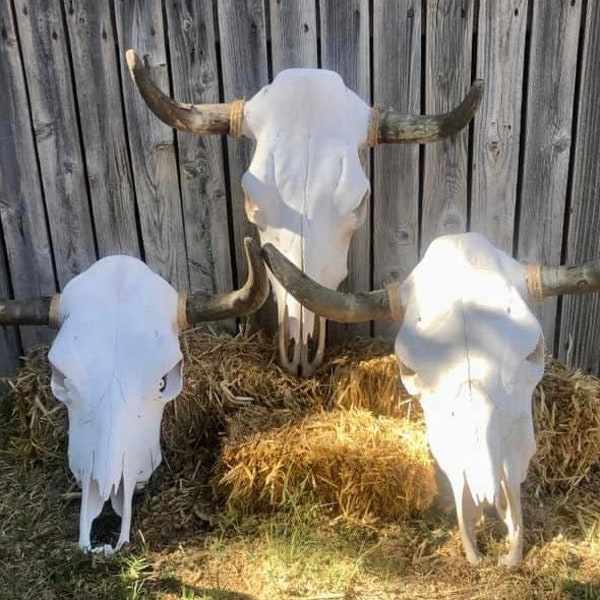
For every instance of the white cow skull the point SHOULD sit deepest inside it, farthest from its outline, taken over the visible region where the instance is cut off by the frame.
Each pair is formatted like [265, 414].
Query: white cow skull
[305, 187]
[472, 350]
[116, 362]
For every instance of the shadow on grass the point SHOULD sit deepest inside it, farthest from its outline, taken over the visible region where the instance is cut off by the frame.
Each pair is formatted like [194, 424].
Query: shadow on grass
[172, 585]
[581, 590]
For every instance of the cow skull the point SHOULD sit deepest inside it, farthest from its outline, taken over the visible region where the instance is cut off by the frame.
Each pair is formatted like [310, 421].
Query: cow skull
[116, 362]
[305, 188]
[472, 351]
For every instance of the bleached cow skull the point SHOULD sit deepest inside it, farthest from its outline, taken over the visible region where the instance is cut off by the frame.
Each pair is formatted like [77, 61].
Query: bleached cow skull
[116, 362]
[305, 188]
[472, 351]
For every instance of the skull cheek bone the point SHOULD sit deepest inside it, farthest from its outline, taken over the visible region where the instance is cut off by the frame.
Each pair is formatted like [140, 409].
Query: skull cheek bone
[471, 349]
[116, 362]
[305, 188]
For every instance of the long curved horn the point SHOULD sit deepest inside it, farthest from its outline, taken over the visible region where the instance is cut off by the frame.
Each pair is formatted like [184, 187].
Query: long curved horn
[30, 311]
[195, 118]
[335, 306]
[544, 281]
[241, 302]
[396, 127]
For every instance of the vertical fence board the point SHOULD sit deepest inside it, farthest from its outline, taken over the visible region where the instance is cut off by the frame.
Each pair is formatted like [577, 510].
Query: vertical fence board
[580, 322]
[9, 341]
[140, 26]
[96, 72]
[496, 131]
[448, 50]
[397, 83]
[22, 212]
[552, 69]
[293, 34]
[48, 74]
[192, 51]
[345, 49]
[242, 28]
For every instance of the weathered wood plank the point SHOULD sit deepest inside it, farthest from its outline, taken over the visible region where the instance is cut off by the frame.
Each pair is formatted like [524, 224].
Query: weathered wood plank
[242, 29]
[140, 26]
[345, 49]
[551, 87]
[397, 83]
[48, 75]
[96, 72]
[580, 319]
[9, 340]
[192, 51]
[497, 123]
[448, 48]
[22, 208]
[293, 35]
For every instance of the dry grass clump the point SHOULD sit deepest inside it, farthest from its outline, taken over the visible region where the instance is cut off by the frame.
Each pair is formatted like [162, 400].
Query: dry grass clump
[350, 462]
[38, 427]
[566, 408]
[222, 375]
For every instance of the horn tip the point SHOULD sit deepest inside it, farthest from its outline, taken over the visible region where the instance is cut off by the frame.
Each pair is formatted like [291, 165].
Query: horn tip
[133, 60]
[478, 86]
[250, 243]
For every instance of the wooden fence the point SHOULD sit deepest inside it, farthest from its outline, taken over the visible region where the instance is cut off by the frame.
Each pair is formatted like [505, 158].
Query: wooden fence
[86, 170]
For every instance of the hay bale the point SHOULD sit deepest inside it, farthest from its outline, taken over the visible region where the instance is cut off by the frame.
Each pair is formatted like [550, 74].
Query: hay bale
[374, 384]
[566, 409]
[349, 462]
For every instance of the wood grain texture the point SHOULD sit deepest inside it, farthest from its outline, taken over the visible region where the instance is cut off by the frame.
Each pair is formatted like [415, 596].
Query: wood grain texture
[140, 26]
[10, 349]
[397, 83]
[96, 74]
[195, 74]
[48, 76]
[345, 49]
[550, 90]
[293, 35]
[242, 29]
[448, 48]
[580, 319]
[497, 123]
[22, 211]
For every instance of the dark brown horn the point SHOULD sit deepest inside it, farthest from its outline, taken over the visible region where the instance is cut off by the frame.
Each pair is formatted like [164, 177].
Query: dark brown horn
[195, 118]
[335, 306]
[395, 127]
[544, 281]
[30, 311]
[241, 302]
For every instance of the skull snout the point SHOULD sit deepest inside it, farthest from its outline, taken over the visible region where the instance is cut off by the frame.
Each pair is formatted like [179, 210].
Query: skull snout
[300, 334]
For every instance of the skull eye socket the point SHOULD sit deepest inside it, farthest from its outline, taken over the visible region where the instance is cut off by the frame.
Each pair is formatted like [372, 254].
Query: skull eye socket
[360, 212]
[59, 385]
[170, 384]
[254, 213]
[537, 355]
[162, 384]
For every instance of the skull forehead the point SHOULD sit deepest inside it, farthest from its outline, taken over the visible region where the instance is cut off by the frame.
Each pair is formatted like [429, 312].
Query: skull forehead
[308, 100]
[308, 127]
[464, 317]
[119, 319]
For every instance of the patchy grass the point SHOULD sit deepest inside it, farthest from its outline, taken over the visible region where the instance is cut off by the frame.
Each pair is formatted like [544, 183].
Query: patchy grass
[291, 554]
